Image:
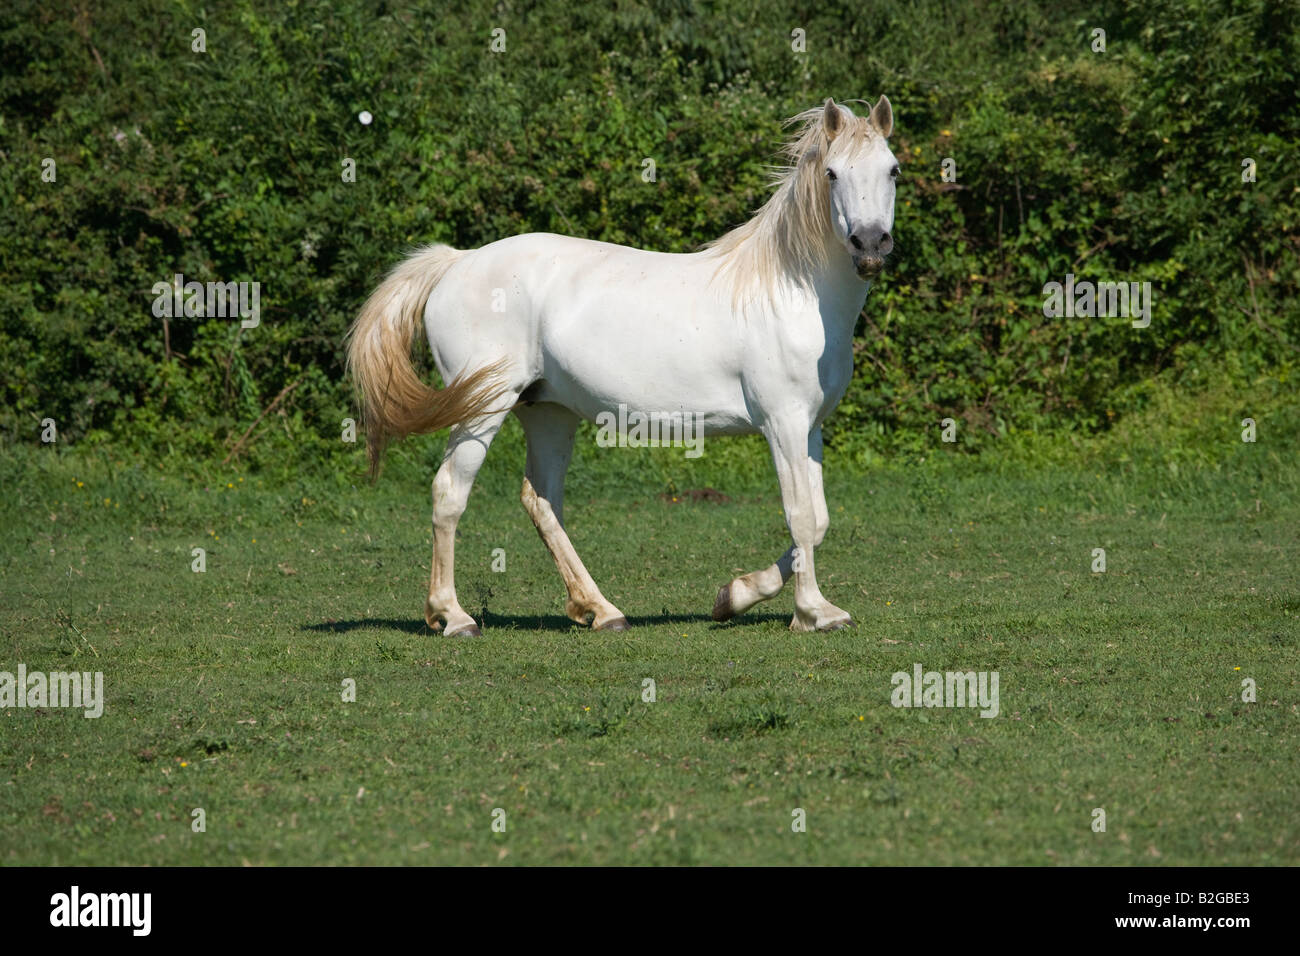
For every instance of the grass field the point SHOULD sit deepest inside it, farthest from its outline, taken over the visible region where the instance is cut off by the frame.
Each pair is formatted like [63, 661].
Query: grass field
[1119, 690]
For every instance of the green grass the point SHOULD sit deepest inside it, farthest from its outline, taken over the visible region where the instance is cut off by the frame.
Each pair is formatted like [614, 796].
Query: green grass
[1119, 690]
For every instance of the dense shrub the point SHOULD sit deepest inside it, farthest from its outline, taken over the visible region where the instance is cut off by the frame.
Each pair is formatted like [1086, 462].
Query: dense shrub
[226, 165]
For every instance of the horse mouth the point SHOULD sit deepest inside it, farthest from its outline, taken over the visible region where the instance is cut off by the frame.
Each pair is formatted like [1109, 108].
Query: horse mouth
[870, 266]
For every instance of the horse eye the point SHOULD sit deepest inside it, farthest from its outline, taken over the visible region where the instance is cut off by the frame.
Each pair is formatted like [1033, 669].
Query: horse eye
[894, 172]
[830, 174]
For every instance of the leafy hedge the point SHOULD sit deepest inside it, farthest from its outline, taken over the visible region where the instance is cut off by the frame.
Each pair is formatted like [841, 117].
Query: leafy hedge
[227, 165]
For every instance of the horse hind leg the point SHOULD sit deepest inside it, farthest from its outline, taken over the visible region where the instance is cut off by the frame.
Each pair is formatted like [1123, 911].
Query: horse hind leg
[466, 448]
[550, 430]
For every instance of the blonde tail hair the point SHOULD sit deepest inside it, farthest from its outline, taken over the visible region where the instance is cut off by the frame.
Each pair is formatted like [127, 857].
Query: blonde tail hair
[394, 401]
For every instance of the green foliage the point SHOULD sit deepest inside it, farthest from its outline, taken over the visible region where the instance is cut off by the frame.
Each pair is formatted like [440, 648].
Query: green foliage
[226, 165]
[224, 689]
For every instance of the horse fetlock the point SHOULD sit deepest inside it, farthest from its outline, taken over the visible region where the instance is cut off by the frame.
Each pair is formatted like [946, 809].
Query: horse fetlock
[579, 612]
[451, 620]
[825, 617]
[600, 615]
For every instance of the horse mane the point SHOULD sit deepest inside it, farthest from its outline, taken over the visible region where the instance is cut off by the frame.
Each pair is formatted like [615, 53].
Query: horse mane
[790, 236]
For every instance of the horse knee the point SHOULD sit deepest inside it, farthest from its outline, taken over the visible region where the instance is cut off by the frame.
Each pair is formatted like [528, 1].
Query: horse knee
[819, 531]
[803, 525]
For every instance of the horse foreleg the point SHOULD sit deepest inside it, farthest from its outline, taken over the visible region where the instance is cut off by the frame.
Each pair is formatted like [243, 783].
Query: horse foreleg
[799, 470]
[742, 593]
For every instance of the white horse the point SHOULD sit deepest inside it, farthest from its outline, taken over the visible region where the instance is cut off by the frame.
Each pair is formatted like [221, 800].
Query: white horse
[751, 334]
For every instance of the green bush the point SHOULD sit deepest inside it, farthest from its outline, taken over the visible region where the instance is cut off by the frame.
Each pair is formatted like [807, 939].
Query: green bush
[226, 165]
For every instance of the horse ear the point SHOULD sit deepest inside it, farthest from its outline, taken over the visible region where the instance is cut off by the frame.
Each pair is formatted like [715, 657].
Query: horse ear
[832, 118]
[882, 116]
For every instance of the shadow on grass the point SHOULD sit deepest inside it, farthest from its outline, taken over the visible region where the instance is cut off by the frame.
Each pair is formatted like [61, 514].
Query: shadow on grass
[530, 622]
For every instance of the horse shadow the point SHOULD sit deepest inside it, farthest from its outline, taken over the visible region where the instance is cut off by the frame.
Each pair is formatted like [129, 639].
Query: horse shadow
[529, 622]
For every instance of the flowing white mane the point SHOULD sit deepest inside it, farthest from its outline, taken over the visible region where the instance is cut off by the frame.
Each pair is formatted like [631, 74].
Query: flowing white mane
[790, 236]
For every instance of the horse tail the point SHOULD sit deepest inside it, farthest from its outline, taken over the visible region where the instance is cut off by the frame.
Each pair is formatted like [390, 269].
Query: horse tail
[394, 401]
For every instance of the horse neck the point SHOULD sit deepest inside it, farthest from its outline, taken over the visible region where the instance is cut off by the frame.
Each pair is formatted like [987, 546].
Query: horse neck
[787, 245]
[825, 268]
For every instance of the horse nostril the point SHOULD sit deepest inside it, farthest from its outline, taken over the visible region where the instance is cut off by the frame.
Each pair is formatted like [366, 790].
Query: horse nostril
[885, 239]
[856, 242]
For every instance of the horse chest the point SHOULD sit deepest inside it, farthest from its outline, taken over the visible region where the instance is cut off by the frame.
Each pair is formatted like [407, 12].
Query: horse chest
[837, 372]
[802, 364]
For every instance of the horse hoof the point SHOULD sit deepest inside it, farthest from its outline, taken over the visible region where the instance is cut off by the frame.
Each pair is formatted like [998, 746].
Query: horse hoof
[469, 630]
[722, 606]
[617, 624]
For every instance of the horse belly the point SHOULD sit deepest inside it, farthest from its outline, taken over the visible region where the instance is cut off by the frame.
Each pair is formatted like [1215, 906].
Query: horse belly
[643, 347]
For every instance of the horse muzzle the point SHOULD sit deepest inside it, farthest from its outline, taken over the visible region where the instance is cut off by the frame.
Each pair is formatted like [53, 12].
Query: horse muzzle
[868, 267]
